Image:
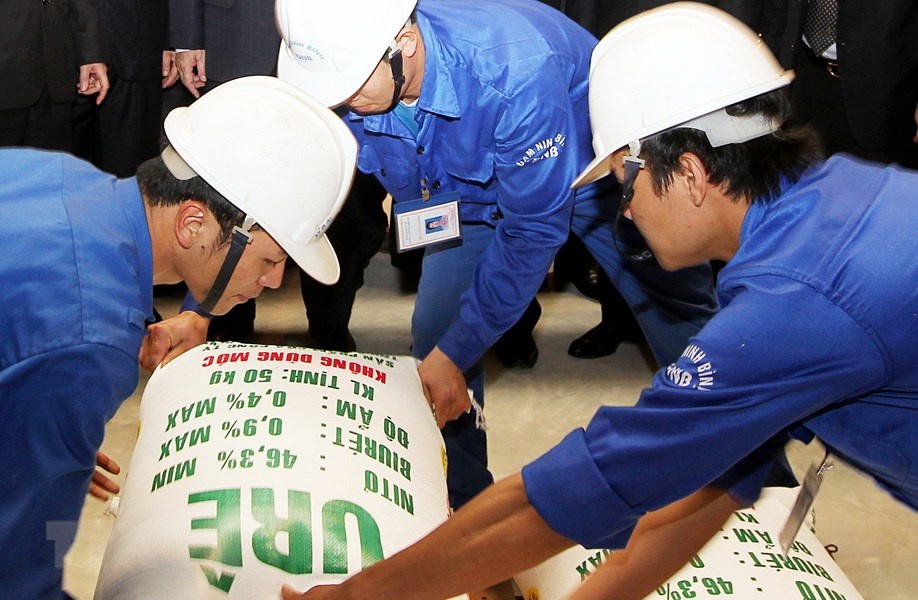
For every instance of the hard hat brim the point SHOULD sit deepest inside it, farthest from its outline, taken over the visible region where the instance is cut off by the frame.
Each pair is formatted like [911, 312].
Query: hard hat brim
[597, 169]
[317, 259]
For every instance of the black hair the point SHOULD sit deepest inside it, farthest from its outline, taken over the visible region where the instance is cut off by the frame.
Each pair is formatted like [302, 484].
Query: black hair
[161, 188]
[753, 170]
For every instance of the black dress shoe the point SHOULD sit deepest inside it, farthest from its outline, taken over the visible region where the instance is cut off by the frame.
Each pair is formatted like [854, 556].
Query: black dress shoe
[600, 341]
[517, 353]
[516, 348]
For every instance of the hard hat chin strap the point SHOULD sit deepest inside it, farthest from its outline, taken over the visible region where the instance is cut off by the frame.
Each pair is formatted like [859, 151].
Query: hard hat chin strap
[625, 235]
[398, 75]
[633, 165]
[241, 238]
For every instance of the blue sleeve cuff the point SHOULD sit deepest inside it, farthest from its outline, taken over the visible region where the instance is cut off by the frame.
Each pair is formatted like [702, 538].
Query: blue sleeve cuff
[461, 344]
[568, 490]
[189, 303]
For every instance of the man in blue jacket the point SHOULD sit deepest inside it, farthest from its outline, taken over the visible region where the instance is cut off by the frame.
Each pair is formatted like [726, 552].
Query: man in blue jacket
[483, 103]
[817, 333]
[81, 253]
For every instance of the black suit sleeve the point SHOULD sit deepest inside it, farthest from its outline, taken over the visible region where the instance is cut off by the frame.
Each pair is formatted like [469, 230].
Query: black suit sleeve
[186, 24]
[84, 22]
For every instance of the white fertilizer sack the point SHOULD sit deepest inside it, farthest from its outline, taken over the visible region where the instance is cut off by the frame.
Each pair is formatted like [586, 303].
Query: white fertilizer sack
[262, 465]
[744, 561]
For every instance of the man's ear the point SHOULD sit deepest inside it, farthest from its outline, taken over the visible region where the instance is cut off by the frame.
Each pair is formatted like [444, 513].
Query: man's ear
[695, 176]
[189, 222]
[407, 40]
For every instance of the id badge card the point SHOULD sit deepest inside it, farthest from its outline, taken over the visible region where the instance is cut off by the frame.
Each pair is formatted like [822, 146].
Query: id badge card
[803, 503]
[420, 223]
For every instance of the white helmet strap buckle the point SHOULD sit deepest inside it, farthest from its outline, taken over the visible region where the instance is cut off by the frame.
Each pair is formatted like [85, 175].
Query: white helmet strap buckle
[634, 151]
[247, 223]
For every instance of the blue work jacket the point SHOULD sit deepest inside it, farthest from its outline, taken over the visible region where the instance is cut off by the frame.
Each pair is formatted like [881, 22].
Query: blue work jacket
[817, 336]
[77, 288]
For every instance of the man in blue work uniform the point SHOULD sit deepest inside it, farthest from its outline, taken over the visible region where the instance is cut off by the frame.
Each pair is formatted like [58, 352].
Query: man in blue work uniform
[484, 103]
[81, 253]
[817, 333]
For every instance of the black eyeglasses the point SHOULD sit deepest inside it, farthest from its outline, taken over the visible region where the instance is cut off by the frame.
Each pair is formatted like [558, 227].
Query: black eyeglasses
[628, 239]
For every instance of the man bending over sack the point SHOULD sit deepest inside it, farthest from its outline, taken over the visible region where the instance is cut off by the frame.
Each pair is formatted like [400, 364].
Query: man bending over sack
[222, 209]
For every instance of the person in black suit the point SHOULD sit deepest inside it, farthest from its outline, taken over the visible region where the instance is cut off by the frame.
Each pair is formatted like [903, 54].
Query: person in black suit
[219, 40]
[862, 93]
[124, 131]
[49, 52]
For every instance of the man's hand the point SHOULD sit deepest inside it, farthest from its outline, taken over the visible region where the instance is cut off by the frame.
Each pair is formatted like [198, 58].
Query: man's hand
[170, 338]
[445, 387]
[94, 80]
[170, 71]
[101, 486]
[319, 592]
[192, 70]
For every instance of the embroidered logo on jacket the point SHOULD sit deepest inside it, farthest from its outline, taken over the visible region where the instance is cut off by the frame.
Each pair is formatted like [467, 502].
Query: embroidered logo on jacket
[699, 378]
[547, 148]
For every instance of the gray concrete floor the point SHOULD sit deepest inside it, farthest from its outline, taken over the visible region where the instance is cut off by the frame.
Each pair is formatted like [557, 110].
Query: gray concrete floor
[531, 410]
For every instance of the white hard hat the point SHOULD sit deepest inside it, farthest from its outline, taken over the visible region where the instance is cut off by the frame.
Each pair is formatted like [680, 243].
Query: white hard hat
[282, 158]
[677, 65]
[330, 47]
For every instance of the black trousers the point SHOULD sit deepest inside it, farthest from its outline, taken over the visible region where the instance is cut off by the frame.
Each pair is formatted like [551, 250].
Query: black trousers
[124, 131]
[356, 235]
